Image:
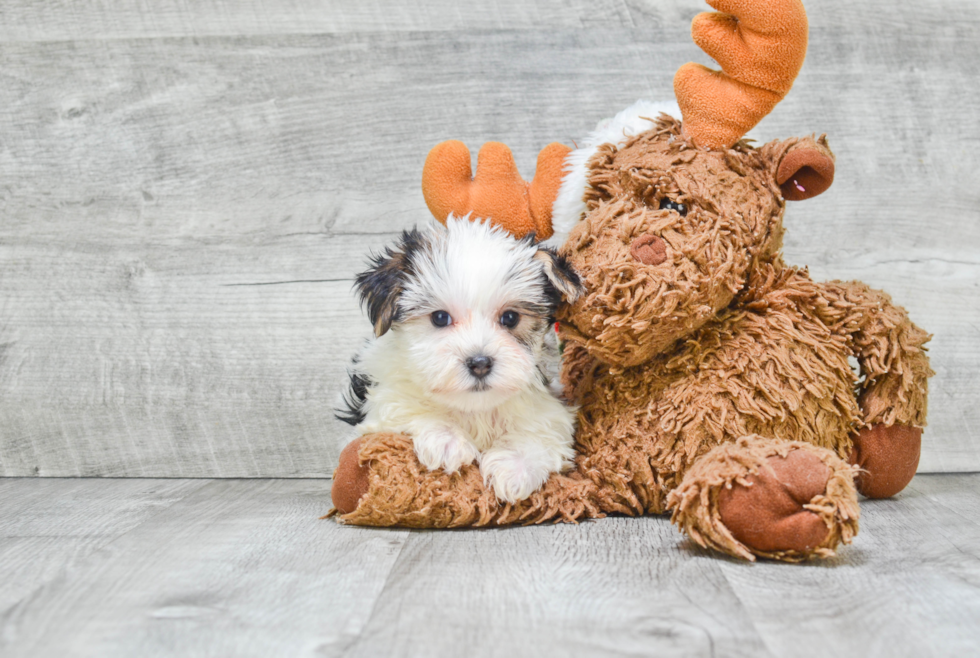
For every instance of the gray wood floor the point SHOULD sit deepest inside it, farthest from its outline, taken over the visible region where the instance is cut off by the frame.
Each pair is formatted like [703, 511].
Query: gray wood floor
[137, 567]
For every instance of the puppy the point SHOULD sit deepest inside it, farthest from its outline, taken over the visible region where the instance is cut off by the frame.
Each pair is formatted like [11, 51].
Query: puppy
[464, 356]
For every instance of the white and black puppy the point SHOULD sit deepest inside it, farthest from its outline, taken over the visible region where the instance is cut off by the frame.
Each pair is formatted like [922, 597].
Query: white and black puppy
[464, 353]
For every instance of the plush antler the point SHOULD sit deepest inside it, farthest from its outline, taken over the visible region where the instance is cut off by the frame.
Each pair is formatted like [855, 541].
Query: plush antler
[760, 45]
[498, 192]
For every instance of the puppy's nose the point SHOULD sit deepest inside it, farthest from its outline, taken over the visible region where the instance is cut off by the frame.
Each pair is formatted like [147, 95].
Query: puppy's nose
[479, 365]
[649, 250]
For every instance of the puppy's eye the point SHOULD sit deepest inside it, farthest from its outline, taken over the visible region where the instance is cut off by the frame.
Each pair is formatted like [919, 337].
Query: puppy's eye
[679, 208]
[441, 319]
[510, 319]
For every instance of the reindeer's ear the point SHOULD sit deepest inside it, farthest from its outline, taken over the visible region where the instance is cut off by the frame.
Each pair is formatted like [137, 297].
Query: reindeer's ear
[806, 170]
[559, 273]
[381, 286]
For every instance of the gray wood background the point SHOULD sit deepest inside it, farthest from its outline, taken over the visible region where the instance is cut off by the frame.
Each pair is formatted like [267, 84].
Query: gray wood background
[187, 188]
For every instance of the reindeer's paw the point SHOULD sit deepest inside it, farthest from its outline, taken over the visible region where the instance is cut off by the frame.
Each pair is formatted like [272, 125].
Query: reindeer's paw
[767, 497]
[766, 511]
[887, 456]
[350, 480]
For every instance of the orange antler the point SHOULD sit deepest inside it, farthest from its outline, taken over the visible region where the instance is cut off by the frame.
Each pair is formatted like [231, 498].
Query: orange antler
[760, 46]
[498, 192]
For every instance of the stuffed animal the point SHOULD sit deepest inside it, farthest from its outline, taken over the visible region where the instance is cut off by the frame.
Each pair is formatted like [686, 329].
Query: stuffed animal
[712, 379]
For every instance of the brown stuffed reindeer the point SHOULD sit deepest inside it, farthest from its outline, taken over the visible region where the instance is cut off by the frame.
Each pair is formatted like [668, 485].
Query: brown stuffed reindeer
[712, 379]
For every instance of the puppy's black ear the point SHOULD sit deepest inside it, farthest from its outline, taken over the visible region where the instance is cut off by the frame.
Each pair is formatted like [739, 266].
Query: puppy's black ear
[380, 287]
[559, 273]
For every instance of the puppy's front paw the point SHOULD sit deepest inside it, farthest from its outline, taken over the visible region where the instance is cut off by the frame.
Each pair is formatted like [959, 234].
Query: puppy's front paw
[515, 475]
[445, 448]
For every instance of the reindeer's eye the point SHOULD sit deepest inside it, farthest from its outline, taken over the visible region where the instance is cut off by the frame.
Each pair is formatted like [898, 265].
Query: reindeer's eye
[441, 319]
[510, 319]
[679, 208]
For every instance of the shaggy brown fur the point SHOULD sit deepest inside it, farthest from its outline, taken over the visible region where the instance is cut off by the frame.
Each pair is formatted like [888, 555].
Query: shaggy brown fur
[675, 361]
[401, 492]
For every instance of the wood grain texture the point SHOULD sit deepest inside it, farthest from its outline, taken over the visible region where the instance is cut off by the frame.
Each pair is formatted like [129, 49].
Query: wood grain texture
[238, 568]
[245, 568]
[912, 579]
[143, 178]
[38, 20]
[616, 587]
[48, 526]
[177, 362]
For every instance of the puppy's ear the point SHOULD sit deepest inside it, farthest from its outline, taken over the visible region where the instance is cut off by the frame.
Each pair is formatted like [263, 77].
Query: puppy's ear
[559, 273]
[380, 287]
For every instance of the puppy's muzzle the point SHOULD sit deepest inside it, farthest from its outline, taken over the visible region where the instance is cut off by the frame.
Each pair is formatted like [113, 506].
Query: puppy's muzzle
[479, 366]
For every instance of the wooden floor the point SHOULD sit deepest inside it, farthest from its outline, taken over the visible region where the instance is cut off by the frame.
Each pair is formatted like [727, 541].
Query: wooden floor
[136, 567]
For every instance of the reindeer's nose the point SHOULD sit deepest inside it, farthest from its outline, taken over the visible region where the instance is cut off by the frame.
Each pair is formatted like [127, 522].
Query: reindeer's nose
[479, 365]
[649, 250]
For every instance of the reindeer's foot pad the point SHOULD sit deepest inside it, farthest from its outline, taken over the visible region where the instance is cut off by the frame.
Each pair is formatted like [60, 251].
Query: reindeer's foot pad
[888, 456]
[380, 482]
[764, 497]
[350, 480]
[767, 510]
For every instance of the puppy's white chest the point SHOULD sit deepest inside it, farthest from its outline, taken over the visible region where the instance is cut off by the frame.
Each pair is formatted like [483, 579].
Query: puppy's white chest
[484, 428]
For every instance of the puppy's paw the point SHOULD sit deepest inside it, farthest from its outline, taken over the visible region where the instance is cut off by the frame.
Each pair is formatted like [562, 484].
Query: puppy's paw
[515, 475]
[443, 447]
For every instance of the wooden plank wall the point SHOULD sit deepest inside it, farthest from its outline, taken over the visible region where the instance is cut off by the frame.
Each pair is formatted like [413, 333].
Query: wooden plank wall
[187, 188]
